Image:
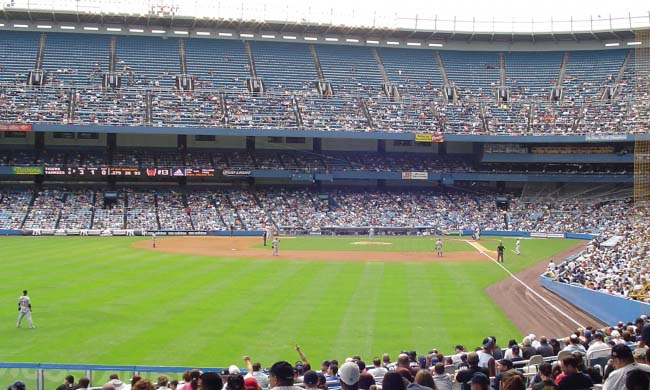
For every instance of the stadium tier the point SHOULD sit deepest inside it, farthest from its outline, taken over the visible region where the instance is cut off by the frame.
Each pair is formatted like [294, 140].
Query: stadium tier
[226, 83]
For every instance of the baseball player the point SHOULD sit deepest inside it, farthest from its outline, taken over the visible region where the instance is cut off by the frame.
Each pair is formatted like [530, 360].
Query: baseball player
[439, 247]
[518, 247]
[500, 250]
[153, 240]
[24, 310]
[274, 245]
[371, 233]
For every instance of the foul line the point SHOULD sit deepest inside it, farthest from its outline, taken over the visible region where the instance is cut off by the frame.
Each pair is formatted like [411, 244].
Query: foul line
[480, 249]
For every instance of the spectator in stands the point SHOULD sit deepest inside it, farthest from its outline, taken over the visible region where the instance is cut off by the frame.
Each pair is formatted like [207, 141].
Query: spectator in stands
[332, 375]
[423, 381]
[108, 386]
[624, 363]
[192, 380]
[310, 380]
[17, 385]
[143, 384]
[115, 381]
[162, 383]
[255, 370]
[545, 378]
[486, 360]
[235, 382]
[366, 381]
[573, 379]
[512, 380]
[349, 376]
[441, 378]
[393, 381]
[465, 376]
[210, 381]
[574, 345]
[404, 367]
[281, 376]
[503, 366]
[637, 380]
[527, 349]
[84, 383]
[480, 381]
[377, 371]
[68, 384]
[135, 380]
[544, 349]
[516, 354]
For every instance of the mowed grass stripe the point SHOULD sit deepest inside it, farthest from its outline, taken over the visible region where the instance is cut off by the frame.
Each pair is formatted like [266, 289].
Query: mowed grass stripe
[99, 300]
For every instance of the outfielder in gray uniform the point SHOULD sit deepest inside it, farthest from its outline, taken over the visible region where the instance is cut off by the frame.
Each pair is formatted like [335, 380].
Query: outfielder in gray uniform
[274, 245]
[24, 310]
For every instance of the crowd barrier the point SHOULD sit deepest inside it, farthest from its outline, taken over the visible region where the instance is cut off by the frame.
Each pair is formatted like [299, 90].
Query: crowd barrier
[606, 307]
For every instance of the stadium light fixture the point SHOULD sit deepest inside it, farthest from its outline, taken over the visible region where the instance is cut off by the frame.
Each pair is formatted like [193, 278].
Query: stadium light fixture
[267, 36]
[225, 34]
[116, 29]
[352, 40]
[392, 43]
[332, 39]
[311, 39]
[635, 43]
[290, 37]
[246, 35]
[180, 32]
[413, 44]
[68, 27]
[21, 25]
[136, 30]
[43, 26]
[435, 45]
[614, 44]
[205, 33]
[158, 31]
[90, 28]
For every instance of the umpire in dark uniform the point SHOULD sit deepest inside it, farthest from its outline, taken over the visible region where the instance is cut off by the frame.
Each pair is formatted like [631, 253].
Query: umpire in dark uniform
[500, 250]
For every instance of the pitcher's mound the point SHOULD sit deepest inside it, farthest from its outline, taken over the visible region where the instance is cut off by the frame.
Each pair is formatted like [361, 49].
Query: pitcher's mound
[370, 243]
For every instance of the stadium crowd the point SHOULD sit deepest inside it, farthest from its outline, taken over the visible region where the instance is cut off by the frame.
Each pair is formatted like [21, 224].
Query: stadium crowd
[615, 357]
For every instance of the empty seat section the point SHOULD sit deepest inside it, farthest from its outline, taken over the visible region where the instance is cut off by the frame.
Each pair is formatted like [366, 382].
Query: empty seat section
[18, 52]
[217, 63]
[351, 70]
[75, 59]
[531, 75]
[588, 71]
[475, 73]
[284, 66]
[415, 72]
[147, 61]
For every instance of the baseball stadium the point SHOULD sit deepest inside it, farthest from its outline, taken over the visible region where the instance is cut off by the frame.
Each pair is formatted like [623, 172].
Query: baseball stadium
[196, 195]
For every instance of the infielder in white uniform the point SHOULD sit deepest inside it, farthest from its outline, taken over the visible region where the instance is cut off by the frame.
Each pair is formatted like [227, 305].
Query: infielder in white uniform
[24, 310]
[518, 247]
[274, 245]
[439, 247]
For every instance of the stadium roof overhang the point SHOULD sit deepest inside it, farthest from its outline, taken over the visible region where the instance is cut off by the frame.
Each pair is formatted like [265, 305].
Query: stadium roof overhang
[443, 35]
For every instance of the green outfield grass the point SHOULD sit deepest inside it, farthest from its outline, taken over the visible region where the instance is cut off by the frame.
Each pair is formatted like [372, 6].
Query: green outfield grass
[99, 300]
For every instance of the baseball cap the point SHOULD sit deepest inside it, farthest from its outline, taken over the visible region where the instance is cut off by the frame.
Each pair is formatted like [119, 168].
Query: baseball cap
[250, 383]
[349, 373]
[18, 385]
[233, 369]
[480, 379]
[587, 333]
[310, 378]
[488, 342]
[506, 363]
[622, 351]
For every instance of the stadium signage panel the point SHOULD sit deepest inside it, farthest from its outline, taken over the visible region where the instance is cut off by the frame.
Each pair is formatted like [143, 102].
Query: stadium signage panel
[27, 170]
[236, 172]
[611, 137]
[415, 176]
[428, 137]
[15, 127]
[123, 171]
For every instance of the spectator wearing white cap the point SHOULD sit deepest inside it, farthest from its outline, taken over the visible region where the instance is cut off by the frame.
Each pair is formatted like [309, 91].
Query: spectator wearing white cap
[349, 376]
